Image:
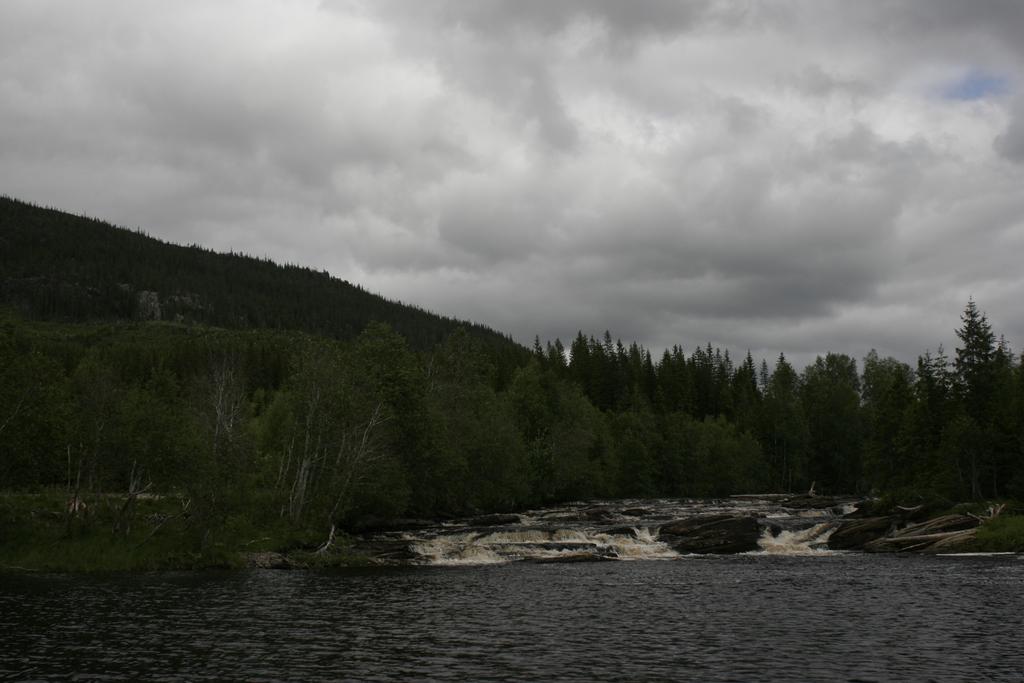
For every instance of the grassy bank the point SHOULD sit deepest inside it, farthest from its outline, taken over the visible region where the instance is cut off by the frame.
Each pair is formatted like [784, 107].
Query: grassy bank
[37, 533]
[1002, 534]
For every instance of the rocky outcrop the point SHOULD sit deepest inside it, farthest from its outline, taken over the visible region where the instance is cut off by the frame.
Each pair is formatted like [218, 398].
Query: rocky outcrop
[853, 534]
[716, 534]
[810, 501]
[596, 514]
[493, 520]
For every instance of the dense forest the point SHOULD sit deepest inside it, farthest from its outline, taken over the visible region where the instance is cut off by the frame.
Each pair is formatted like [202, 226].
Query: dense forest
[283, 415]
[58, 266]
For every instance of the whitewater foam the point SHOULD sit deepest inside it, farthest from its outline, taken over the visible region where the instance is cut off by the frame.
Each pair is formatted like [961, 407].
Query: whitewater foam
[538, 544]
[810, 541]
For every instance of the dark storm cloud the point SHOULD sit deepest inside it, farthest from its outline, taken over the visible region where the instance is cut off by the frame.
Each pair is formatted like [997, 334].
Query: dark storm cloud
[795, 176]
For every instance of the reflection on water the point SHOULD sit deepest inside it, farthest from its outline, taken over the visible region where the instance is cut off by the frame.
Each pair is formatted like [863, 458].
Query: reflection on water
[749, 617]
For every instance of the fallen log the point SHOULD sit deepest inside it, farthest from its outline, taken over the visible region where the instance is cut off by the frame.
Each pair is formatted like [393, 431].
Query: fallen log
[939, 525]
[946, 541]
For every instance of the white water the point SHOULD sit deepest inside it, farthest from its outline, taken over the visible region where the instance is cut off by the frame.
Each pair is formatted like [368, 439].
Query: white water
[604, 531]
[456, 549]
[472, 548]
[810, 541]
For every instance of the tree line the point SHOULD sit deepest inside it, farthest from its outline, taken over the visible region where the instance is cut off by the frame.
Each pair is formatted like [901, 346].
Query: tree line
[280, 426]
[949, 428]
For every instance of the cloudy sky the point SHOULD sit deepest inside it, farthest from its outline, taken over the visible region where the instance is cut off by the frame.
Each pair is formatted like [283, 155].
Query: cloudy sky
[787, 176]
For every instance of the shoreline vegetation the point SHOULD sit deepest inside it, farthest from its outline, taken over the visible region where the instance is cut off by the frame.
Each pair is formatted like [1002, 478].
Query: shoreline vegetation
[44, 534]
[165, 406]
[41, 534]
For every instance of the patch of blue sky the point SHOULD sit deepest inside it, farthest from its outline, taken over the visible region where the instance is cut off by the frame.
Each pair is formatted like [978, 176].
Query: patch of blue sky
[977, 85]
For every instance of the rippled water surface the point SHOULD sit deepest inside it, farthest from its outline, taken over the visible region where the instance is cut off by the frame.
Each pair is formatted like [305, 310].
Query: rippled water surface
[742, 618]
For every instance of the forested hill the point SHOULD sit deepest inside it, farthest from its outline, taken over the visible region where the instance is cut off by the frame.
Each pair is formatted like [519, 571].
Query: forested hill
[58, 266]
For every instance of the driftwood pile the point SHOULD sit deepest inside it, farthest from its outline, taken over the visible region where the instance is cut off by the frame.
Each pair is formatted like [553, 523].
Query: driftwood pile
[897, 533]
[947, 533]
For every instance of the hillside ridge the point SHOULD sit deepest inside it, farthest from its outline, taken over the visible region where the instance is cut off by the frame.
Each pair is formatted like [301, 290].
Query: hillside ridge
[55, 265]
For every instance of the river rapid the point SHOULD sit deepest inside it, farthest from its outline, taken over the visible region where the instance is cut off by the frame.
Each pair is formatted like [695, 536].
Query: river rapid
[606, 530]
[801, 614]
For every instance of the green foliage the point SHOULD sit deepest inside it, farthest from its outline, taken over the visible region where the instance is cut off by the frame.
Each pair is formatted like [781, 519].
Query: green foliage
[305, 413]
[830, 390]
[711, 457]
[57, 266]
[1001, 534]
[38, 533]
[887, 396]
[638, 444]
[480, 458]
[784, 432]
[974, 361]
[568, 444]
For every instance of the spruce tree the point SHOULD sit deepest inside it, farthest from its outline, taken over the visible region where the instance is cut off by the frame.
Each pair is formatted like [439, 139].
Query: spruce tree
[975, 360]
[976, 374]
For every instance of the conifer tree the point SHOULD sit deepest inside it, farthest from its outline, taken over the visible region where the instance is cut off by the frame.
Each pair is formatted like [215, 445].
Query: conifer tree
[976, 377]
[975, 360]
[784, 432]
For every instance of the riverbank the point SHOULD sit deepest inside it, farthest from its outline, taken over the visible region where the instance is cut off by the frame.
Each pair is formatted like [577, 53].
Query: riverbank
[1004, 534]
[42, 533]
[39, 533]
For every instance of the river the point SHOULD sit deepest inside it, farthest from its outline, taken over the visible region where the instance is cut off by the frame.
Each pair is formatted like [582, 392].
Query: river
[762, 616]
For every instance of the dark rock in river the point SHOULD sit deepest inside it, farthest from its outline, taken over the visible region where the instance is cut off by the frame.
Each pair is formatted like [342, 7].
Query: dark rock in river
[806, 501]
[636, 512]
[853, 534]
[493, 520]
[596, 514]
[712, 534]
